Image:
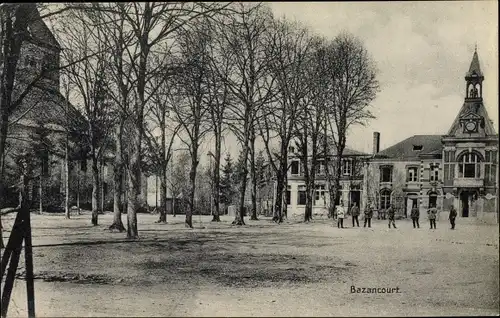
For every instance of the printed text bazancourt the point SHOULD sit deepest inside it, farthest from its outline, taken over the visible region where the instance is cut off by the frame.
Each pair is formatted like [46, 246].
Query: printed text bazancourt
[374, 290]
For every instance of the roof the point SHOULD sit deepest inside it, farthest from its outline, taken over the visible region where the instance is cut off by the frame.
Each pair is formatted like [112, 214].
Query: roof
[38, 31]
[474, 66]
[46, 106]
[430, 145]
[351, 152]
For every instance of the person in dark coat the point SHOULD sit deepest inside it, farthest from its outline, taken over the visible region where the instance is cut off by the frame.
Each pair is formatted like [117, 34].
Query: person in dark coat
[391, 216]
[368, 215]
[453, 216]
[415, 215]
[355, 214]
[432, 212]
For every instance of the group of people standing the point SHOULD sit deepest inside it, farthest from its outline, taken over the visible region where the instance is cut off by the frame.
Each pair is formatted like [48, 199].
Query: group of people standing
[368, 214]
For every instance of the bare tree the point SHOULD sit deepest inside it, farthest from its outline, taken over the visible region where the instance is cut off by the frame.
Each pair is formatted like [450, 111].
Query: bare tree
[309, 127]
[89, 79]
[220, 63]
[196, 98]
[152, 25]
[288, 48]
[249, 81]
[352, 87]
[161, 152]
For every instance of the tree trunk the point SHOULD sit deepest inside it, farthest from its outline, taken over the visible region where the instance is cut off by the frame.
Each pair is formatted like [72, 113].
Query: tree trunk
[78, 190]
[3, 138]
[66, 180]
[118, 182]
[253, 176]
[285, 188]
[192, 189]
[95, 191]
[163, 197]
[239, 215]
[134, 185]
[278, 201]
[216, 188]
[101, 186]
[40, 191]
[174, 199]
[163, 173]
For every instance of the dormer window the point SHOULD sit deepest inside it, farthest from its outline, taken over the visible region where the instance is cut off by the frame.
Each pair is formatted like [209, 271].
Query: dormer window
[417, 147]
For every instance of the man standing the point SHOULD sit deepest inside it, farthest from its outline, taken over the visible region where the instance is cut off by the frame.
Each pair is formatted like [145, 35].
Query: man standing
[415, 214]
[340, 215]
[355, 214]
[432, 212]
[368, 215]
[453, 215]
[391, 215]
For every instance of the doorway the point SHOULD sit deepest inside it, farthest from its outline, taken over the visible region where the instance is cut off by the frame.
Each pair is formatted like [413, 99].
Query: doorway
[355, 198]
[464, 203]
[410, 203]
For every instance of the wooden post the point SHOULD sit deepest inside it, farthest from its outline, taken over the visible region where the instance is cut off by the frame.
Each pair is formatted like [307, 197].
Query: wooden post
[28, 257]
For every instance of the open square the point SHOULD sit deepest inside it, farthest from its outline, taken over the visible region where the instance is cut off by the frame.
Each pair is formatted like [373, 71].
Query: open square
[263, 269]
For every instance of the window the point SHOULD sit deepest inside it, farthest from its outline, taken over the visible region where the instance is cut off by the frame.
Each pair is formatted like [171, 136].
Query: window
[320, 192]
[412, 174]
[45, 163]
[449, 172]
[291, 149]
[469, 166]
[491, 156]
[417, 147]
[449, 156]
[434, 172]
[320, 167]
[386, 174]
[490, 167]
[346, 167]
[385, 199]
[288, 194]
[301, 198]
[295, 167]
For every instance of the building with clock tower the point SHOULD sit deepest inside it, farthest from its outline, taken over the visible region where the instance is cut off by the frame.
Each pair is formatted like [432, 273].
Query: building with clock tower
[459, 168]
[470, 154]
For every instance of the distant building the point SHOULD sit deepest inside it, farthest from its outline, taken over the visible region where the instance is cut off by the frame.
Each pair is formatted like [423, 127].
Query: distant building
[350, 191]
[459, 168]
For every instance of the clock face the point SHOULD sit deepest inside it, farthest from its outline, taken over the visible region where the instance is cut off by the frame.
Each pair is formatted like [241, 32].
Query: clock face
[470, 126]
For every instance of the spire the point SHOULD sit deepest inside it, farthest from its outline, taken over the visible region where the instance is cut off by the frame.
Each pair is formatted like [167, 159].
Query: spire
[474, 65]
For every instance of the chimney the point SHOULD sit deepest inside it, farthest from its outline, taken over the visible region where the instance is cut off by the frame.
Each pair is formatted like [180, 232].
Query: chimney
[376, 142]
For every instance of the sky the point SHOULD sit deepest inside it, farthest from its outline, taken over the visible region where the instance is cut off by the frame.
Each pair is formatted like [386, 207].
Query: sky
[422, 51]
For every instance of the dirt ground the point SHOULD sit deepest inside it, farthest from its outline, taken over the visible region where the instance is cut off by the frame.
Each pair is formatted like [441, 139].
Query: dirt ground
[262, 269]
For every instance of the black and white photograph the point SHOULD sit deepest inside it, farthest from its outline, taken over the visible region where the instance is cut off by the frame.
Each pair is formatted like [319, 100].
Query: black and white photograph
[249, 159]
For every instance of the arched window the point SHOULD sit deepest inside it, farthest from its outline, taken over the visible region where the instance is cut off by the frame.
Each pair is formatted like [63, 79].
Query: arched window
[469, 165]
[385, 199]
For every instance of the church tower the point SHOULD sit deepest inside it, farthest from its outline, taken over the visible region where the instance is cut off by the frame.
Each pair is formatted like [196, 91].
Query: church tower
[470, 154]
